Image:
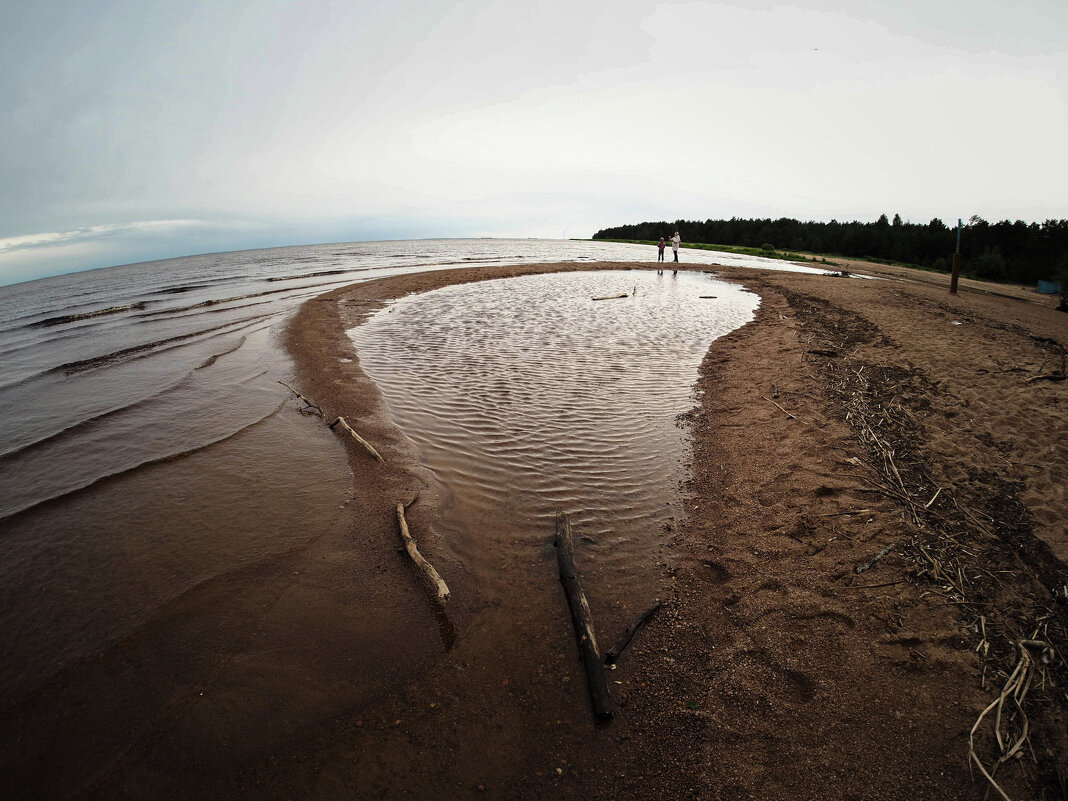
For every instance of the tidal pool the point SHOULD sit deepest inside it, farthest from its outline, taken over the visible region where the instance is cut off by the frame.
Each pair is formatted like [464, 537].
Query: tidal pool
[526, 395]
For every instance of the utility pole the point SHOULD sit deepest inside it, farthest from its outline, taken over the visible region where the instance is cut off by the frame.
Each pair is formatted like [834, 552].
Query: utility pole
[956, 264]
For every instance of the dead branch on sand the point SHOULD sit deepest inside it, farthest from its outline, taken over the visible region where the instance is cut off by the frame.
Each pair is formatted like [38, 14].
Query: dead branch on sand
[1047, 377]
[612, 656]
[788, 414]
[309, 407]
[366, 445]
[1015, 690]
[582, 619]
[865, 566]
[314, 408]
[613, 297]
[413, 551]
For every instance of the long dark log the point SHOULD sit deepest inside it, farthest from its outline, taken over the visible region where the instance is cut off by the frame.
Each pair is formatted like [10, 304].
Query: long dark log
[611, 656]
[582, 620]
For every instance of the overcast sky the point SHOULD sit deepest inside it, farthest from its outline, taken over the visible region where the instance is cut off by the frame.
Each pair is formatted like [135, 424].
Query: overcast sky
[144, 129]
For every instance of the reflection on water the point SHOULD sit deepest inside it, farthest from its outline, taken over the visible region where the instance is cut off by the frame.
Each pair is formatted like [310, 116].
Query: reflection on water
[525, 396]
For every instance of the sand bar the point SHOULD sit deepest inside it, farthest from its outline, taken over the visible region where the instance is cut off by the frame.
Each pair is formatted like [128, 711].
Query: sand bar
[775, 670]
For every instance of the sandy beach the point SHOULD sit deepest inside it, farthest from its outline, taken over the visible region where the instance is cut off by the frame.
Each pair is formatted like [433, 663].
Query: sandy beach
[876, 520]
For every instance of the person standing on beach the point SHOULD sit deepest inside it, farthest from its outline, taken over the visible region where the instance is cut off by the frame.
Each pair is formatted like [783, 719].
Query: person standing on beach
[675, 240]
[660, 251]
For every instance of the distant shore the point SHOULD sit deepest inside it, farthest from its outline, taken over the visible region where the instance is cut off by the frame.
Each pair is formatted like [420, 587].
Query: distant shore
[764, 253]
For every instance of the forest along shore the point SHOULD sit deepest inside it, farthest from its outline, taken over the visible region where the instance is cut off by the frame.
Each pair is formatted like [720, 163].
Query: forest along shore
[875, 552]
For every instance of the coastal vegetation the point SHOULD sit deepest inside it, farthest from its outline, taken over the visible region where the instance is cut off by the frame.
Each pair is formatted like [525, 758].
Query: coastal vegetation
[766, 251]
[1003, 251]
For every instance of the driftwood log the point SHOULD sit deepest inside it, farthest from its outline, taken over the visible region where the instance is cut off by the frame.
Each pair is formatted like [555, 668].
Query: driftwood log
[314, 408]
[582, 620]
[1047, 377]
[612, 656]
[366, 445]
[413, 551]
[613, 297]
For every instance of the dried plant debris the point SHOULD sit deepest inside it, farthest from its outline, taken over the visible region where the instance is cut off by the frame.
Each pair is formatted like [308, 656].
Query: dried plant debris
[972, 541]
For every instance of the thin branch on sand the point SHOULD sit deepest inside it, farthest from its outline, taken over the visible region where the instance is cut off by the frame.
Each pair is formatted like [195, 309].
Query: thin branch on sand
[313, 408]
[413, 551]
[612, 656]
[366, 445]
[788, 414]
[1015, 691]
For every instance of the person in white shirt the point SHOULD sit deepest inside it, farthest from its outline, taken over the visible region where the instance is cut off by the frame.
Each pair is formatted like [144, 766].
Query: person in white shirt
[675, 240]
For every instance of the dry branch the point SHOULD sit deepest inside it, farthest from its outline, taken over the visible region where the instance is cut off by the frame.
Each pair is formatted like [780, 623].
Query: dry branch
[367, 445]
[313, 408]
[613, 297]
[788, 414]
[865, 566]
[582, 620]
[424, 565]
[1014, 690]
[307, 403]
[612, 656]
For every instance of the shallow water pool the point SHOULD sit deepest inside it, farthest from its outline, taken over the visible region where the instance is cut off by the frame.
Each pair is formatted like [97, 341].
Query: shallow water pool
[526, 395]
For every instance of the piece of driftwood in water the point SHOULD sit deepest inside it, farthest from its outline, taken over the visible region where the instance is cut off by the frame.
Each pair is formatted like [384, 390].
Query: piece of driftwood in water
[612, 656]
[613, 297]
[367, 445]
[413, 551]
[582, 620]
[309, 407]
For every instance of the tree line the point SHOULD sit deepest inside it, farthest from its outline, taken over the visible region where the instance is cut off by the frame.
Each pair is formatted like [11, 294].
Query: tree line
[1002, 251]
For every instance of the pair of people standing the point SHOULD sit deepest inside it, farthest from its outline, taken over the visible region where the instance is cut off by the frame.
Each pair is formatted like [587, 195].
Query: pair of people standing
[675, 241]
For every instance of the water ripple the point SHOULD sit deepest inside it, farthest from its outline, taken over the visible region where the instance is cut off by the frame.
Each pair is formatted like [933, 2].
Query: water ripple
[525, 396]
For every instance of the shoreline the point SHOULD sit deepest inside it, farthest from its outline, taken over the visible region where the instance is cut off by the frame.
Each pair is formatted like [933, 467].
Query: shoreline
[774, 670]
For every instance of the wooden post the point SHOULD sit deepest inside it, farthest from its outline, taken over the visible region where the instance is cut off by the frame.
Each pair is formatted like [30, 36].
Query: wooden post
[582, 620]
[956, 264]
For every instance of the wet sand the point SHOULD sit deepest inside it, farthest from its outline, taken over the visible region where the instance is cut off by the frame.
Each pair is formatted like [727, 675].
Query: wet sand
[775, 670]
[850, 419]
